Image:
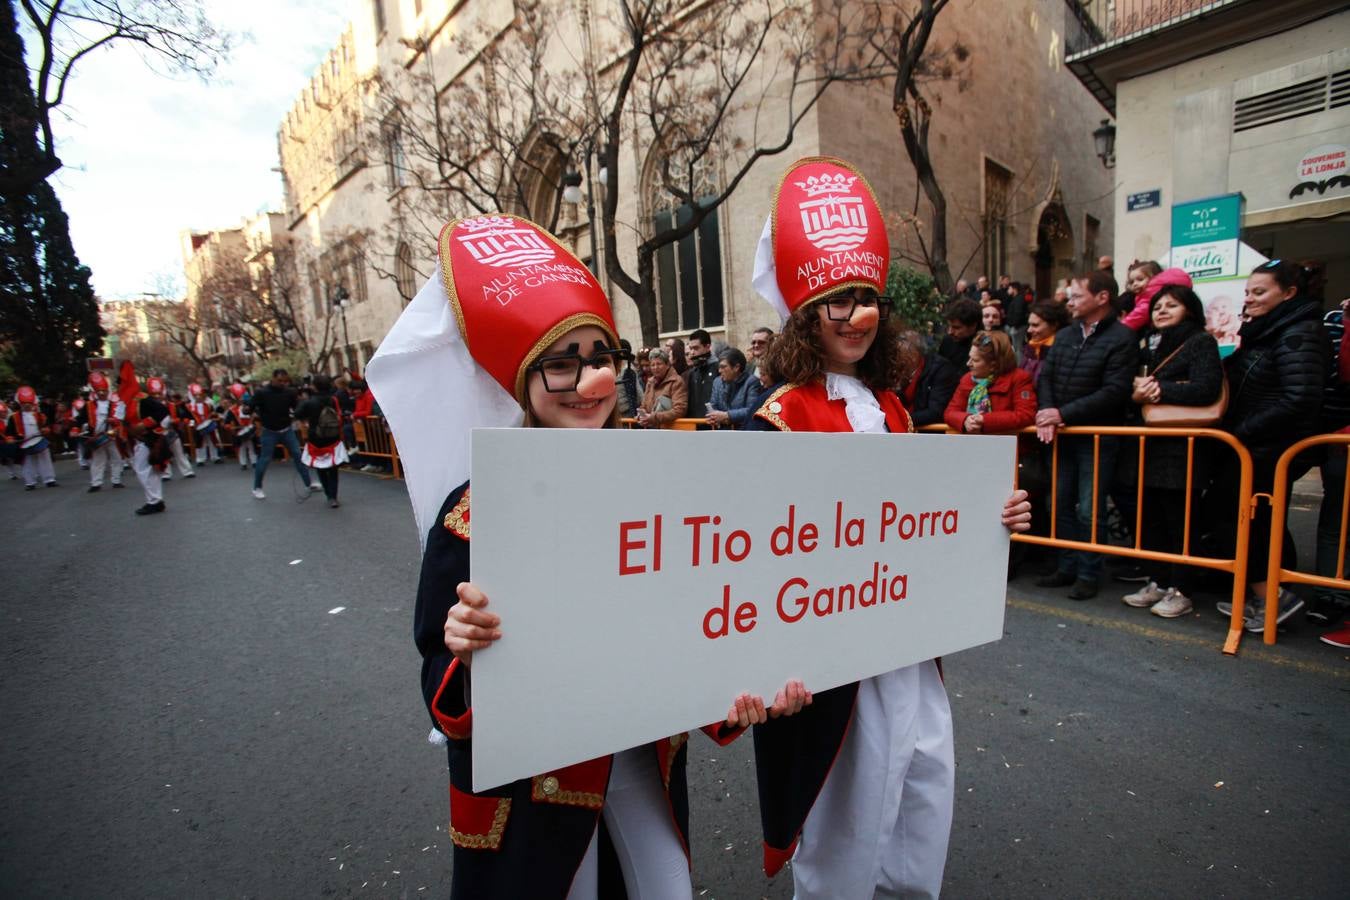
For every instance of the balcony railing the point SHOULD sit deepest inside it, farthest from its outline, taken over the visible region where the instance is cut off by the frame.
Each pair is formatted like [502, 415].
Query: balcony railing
[1104, 21]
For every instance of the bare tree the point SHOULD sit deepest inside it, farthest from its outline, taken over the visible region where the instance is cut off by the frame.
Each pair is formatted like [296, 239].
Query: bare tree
[182, 327]
[902, 34]
[693, 81]
[176, 33]
[157, 357]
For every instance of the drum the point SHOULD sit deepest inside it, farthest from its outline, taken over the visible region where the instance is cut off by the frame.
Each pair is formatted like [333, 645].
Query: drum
[206, 427]
[244, 431]
[96, 441]
[34, 445]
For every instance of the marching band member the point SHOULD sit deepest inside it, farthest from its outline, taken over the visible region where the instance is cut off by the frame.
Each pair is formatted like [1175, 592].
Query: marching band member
[547, 359]
[149, 429]
[205, 421]
[9, 451]
[28, 428]
[240, 418]
[76, 407]
[860, 785]
[99, 425]
[178, 456]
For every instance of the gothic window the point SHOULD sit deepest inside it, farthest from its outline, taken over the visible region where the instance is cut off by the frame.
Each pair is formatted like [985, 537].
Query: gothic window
[689, 292]
[404, 274]
[997, 194]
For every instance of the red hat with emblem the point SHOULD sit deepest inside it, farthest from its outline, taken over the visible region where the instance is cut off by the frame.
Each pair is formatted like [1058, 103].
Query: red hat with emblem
[26, 394]
[154, 386]
[195, 389]
[825, 234]
[515, 290]
[97, 381]
[237, 390]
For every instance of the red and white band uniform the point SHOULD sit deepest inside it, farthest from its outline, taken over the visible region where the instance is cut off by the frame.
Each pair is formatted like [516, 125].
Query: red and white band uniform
[99, 421]
[208, 447]
[179, 460]
[29, 427]
[156, 417]
[240, 418]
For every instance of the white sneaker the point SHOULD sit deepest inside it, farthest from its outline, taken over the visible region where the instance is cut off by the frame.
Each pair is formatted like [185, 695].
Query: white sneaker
[1146, 596]
[1173, 604]
[315, 487]
[258, 494]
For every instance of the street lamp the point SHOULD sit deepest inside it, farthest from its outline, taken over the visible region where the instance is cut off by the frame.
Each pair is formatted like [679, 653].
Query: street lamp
[341, 300]
[1105, 140]
[572, 194]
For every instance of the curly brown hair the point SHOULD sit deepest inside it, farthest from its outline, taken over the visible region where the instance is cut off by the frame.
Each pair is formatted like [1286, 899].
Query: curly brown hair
[797, 355]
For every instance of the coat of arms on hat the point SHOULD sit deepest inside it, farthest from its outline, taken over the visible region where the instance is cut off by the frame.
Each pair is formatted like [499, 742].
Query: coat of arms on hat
[498, 241]
[833, 217]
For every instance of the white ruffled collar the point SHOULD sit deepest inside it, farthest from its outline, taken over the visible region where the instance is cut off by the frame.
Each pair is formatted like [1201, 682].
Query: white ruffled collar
[860, 404]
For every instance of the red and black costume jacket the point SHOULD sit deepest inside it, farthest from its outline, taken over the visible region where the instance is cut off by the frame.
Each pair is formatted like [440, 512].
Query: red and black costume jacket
[87, 420]
[201, 411]
[527, 838]
[794, 754]
[14, 427]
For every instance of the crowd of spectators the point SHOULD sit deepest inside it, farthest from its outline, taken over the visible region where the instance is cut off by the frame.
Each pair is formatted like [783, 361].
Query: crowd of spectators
[1009, 362]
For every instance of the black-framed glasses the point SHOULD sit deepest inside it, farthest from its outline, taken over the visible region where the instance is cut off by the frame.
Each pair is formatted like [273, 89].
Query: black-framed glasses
[841, 306]
[562, 373]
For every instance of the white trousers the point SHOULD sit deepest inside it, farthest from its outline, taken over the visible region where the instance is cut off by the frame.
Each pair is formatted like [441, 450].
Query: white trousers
[879, 827]
[206, 448]
[38, 466]
[105, 457]
[247, 455]
[644, 835]
[147, 474]
[179, 460]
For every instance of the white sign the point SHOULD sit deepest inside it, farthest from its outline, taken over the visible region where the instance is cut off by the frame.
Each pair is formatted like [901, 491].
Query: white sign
[1321, 163]
[1209, 260]
[645, 579]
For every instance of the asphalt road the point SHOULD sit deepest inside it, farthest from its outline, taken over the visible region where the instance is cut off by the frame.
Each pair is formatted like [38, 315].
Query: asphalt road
[189, 714]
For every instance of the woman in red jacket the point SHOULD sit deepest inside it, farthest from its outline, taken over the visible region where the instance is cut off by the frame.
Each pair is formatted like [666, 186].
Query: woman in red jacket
[994, 397]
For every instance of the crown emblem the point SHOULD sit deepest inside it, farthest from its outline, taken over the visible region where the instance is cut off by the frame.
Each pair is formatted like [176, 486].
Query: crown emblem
[499, 241]
[818, 186]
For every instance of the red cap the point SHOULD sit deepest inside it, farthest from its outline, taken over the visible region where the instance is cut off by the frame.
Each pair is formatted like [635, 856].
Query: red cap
[237, 390]
[97, 381]
[195, 389]
[515, 290]
[154, 386]
[828, 234]
[26, 394]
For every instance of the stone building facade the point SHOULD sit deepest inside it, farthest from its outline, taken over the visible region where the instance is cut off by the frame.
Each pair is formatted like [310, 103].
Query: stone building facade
[1011, 138]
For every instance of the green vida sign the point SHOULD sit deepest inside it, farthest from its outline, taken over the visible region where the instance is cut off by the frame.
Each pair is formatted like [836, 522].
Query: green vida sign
[1205, 236]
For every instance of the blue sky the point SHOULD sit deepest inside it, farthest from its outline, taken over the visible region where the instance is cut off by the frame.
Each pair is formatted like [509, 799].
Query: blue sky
[147, 155]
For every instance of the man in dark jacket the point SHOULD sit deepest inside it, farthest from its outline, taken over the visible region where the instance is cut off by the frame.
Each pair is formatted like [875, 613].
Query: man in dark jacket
[1086, 380]
[701, 375]
[930, 390]
[272, 405]
[963, 320]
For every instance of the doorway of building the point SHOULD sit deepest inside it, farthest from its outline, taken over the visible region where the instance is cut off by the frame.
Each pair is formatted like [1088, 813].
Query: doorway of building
[1054, 249]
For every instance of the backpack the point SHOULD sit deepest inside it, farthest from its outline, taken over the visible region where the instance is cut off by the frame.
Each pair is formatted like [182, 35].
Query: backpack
[328, 428]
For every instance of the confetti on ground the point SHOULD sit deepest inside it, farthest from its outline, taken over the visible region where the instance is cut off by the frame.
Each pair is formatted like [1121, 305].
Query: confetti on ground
[1061, 625]
[295, 562]
[335, 610]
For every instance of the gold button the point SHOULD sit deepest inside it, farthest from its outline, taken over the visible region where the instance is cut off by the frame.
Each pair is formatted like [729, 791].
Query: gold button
[775, 407]
[550, 786]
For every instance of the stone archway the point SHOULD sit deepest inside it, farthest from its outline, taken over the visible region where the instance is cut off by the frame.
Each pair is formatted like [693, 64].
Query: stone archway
[1054, 255]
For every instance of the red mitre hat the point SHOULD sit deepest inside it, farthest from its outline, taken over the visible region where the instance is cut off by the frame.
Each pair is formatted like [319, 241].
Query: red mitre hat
[515, 290]
[97, 381]
[828, 234]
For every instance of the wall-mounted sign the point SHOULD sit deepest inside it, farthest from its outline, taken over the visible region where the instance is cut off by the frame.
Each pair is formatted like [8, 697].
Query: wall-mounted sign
[1143, 200]
[1321, 169]
[1205, 236]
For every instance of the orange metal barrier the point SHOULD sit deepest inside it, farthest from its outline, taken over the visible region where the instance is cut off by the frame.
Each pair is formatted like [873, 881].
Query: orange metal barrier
[374, 438]
[677, 425]
[1279, 503]
[1237, 566]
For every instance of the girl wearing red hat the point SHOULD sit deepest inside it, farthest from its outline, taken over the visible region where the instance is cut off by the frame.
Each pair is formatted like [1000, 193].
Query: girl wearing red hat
[28, 429]
[857, 790]
[516, 331]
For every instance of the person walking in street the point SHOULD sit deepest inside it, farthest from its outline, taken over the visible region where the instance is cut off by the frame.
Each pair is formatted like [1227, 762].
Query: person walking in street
[549, 359]
[28, 428]
[273, 406]
[99, 423]
[324, 450]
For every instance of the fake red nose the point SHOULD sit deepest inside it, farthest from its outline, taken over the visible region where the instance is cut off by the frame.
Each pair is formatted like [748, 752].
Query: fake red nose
[864, 317]
[596, 383]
